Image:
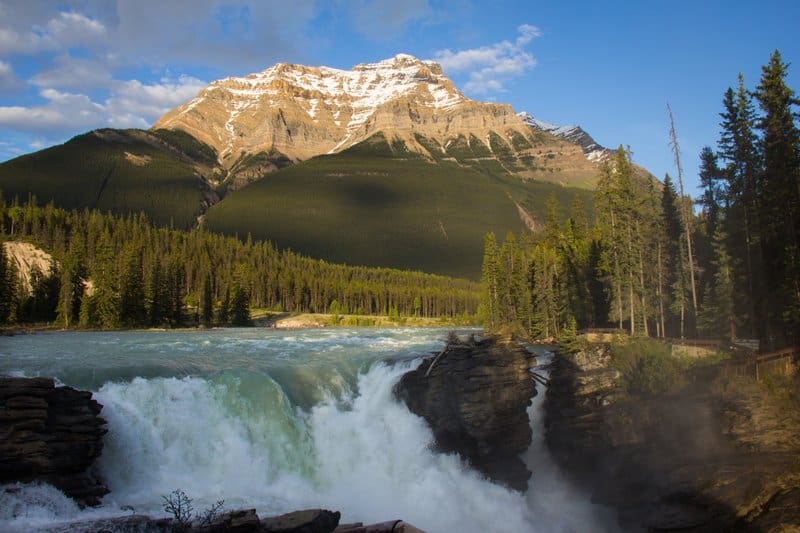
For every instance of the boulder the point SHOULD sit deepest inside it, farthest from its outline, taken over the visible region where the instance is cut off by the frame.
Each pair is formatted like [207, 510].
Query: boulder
[474, 395]
[306, 521]
[50, 434]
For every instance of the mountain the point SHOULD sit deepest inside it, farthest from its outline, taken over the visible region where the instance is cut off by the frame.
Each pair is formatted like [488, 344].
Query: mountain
[294, 113]
[574, 134]
[167, 174]
[387, 164]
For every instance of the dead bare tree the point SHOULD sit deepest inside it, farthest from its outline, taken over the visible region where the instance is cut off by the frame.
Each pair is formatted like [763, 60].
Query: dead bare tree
[685, 206]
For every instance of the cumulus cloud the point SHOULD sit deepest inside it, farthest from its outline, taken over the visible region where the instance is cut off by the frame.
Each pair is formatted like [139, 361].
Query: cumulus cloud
[489, 67]
[70, 29]
[236, 34]
[130, 104]
[135, 104]
[61, 111]
[63, 31]
[74, 73]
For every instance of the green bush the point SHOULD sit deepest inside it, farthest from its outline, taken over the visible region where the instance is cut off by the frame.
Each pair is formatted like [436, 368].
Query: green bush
[647, 366]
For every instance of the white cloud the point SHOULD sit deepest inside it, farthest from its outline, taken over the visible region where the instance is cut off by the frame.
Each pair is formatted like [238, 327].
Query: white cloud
[74, 29]
[74, 73]
[62, 111]
[489, 67]
[130, 104]
[60, 33]
[134, 104]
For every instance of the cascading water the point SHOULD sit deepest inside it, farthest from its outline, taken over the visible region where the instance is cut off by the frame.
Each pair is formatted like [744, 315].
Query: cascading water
[273, 420]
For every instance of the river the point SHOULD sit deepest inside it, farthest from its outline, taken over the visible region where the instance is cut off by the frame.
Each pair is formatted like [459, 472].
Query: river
[279, 421]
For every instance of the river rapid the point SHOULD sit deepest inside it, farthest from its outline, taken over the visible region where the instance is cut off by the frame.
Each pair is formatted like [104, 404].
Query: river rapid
[279, 421]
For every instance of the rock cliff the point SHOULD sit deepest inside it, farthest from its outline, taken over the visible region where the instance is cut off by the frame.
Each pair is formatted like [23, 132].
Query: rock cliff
[717, 454]
[51, 434]
[474, 395]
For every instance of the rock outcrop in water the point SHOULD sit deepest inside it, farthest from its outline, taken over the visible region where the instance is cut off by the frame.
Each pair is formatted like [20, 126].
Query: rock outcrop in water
[51, 434]
[242, 521]
[719, 453]
[475, 395]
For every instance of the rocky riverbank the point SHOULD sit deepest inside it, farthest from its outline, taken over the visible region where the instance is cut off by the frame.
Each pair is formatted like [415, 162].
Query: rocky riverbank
[717, 453]
[50, 434]
[474, 395]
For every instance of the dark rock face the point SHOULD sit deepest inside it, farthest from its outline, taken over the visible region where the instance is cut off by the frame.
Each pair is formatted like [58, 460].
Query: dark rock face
[475, 398]
[51, 434]
[716, 455]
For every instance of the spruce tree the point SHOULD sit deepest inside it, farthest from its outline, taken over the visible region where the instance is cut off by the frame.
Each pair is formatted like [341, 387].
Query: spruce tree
[738, 150]
[207, 303]
[7, 292]
[490, 274]
[132, 293]
[718, 317]
[779, 216]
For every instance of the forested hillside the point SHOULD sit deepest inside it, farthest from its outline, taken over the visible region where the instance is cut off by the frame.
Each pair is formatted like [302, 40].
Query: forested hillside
[378, 204]
[112, 271]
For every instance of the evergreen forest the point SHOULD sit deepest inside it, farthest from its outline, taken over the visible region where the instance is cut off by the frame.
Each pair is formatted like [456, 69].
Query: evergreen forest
[112, 271]
[657, 263]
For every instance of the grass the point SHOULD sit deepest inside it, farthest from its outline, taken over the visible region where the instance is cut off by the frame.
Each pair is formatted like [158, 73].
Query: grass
[367, 206]
[92, 170]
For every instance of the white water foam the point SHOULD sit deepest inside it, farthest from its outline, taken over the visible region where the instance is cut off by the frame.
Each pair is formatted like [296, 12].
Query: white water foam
[368, 457]
[239, 435]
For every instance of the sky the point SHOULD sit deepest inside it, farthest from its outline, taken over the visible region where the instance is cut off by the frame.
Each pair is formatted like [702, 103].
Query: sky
[610, 66]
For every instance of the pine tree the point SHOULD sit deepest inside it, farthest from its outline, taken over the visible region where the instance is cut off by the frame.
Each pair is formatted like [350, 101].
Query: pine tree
[7, 286]
[106, 297]
[240, 306]
[718, 317]
[132, 294]
[737, 148]
[158, 305]
[223, 313]
[207, 303]
[489, 280]
[675, 277]
[779, 216]
[710, 180]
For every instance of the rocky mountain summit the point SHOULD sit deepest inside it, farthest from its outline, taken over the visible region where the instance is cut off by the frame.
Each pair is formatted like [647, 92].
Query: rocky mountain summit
[294, 112]
[573, 133]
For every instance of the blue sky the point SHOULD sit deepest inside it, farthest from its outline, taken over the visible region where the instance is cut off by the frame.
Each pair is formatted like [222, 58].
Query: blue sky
[70, 66]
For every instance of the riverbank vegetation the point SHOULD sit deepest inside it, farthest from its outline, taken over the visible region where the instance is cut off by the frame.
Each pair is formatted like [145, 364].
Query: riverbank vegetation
[110, 271]
[652, 266]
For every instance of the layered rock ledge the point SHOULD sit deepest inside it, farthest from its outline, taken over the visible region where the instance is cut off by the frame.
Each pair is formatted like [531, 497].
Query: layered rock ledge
[474, 395]
[718, 453]
[50, 434]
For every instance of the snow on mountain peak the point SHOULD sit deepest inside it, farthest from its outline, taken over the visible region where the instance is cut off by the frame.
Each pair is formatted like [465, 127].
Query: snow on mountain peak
[573, 133]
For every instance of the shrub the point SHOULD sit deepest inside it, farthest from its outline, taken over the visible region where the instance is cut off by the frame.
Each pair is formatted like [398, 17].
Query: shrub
[647, 366]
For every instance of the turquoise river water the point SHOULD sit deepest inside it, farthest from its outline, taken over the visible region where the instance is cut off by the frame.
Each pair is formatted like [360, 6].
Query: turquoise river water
[279, 421]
